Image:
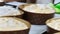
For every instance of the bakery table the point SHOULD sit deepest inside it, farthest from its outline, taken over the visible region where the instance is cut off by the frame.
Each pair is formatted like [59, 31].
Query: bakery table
[35, 29]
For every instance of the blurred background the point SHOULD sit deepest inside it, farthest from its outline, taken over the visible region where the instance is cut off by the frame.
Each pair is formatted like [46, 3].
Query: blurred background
[31, 1]
[35, 1]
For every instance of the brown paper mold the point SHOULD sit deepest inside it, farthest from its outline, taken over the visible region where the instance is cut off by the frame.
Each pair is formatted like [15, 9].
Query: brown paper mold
[35, 18]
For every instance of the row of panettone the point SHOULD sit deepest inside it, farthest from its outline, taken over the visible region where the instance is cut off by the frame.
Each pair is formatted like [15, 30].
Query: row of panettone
[14, 21]
[11, 21]
[42, 14]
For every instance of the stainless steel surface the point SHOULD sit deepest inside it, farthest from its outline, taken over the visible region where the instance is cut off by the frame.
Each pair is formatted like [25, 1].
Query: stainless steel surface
[38, 29]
